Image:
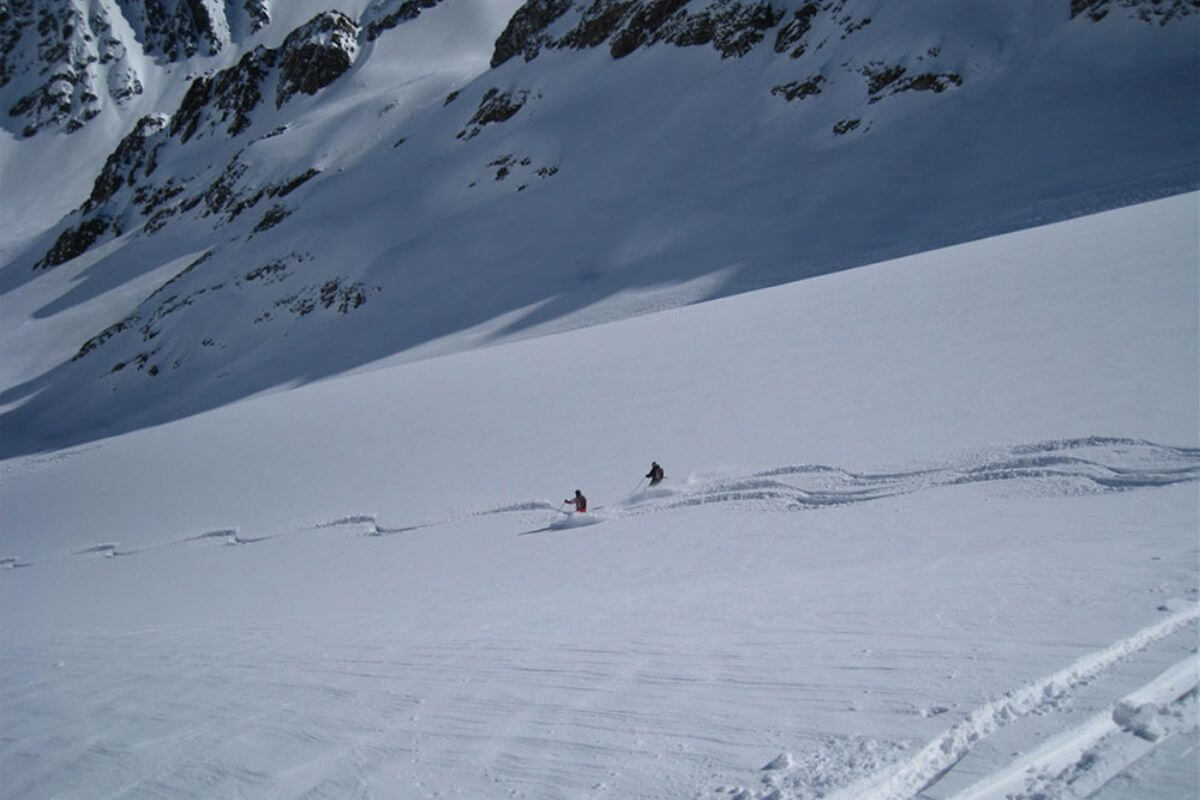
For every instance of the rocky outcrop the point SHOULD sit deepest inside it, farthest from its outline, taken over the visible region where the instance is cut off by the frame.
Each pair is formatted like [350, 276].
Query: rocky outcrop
[74, 61]
[792, 35]
[798, 90]
[76, 241]
[526, 33]
[70, 62]
[383, 15]
[310, 58]
[883, 80]
[1152, 12]
[178, 29]
[733, 28]
[133, 158]
[315, 55]
[495, 106]
[172, 30]
[124, 196]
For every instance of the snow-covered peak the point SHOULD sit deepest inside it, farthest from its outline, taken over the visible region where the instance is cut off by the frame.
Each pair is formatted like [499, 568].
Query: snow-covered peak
[396, 171]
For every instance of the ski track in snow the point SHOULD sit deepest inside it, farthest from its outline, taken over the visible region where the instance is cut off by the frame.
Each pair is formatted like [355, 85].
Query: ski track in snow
[1075, 763]
[1082, 760]
[914, 776]
[1090, 465]
[1078, 760]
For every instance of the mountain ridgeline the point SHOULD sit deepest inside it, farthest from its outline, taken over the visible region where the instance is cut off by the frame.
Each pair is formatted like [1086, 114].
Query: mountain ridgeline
[326, 192]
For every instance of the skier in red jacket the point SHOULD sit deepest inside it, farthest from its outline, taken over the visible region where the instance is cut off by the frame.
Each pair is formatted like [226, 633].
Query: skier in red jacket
[579, 501]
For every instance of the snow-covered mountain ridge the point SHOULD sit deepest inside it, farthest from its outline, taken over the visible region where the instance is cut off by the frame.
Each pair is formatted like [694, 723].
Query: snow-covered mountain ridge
[298, 190]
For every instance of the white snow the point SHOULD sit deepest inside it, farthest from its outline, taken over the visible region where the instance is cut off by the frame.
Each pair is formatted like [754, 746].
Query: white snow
[362, 587]
[668, 177]
[930, 524]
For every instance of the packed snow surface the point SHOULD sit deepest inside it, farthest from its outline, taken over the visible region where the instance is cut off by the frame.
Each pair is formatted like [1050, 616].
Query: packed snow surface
[280, 491]
[929, 529]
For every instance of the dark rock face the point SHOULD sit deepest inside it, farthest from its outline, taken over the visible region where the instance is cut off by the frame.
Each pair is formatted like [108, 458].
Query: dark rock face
[187, 117]
[234, 92]
[601, 20]
[75, 58]
[1149, 11]
[310, 58]
[15, 17]
[888, 80]
[75, 241]
[132, 156]
[844, 126]
[173, 30]
[82, 62]
[737, 29]
[258, 13]
[496, 106]
[336, 294]
[792, 35]
[526, 32]
[178, 29]
[798, 90]
[644, 24]
[730, 26]
[316, 55]
[383, 15]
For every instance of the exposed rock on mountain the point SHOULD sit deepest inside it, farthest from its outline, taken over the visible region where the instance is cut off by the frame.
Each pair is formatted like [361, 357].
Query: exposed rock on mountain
[65, 63]
[793, 137]
[310, 58]
[798, 90]
[791, 35]
[732, 27]
[528, 30]
[72, 55]
[886, 80]
[1150, 11]
[133, 157]
[496, 106]
[177, 29]
[383, 15]
[316, 55]
[76, 241]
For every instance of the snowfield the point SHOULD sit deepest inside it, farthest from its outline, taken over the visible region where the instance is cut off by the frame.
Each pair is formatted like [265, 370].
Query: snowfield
[929, 530]
[310, 319]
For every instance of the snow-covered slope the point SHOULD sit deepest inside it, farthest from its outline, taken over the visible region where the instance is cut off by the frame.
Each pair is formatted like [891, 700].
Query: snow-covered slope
[406, 179]
[929, 530]
[311, 313]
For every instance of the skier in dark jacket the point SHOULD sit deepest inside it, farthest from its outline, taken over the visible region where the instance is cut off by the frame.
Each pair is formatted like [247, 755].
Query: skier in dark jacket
[655, 474]
[579, 501]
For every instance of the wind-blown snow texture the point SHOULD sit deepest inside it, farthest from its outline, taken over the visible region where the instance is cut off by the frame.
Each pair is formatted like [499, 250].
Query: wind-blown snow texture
[929, 525]
[961, 527]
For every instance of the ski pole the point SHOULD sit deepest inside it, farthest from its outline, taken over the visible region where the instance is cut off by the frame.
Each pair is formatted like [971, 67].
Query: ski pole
[639, 485]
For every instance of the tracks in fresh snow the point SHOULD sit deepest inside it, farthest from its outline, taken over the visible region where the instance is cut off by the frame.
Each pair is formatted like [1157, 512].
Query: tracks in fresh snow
[1090, 465]
[1069, 765]
[1083, 759]
[1074, 762]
